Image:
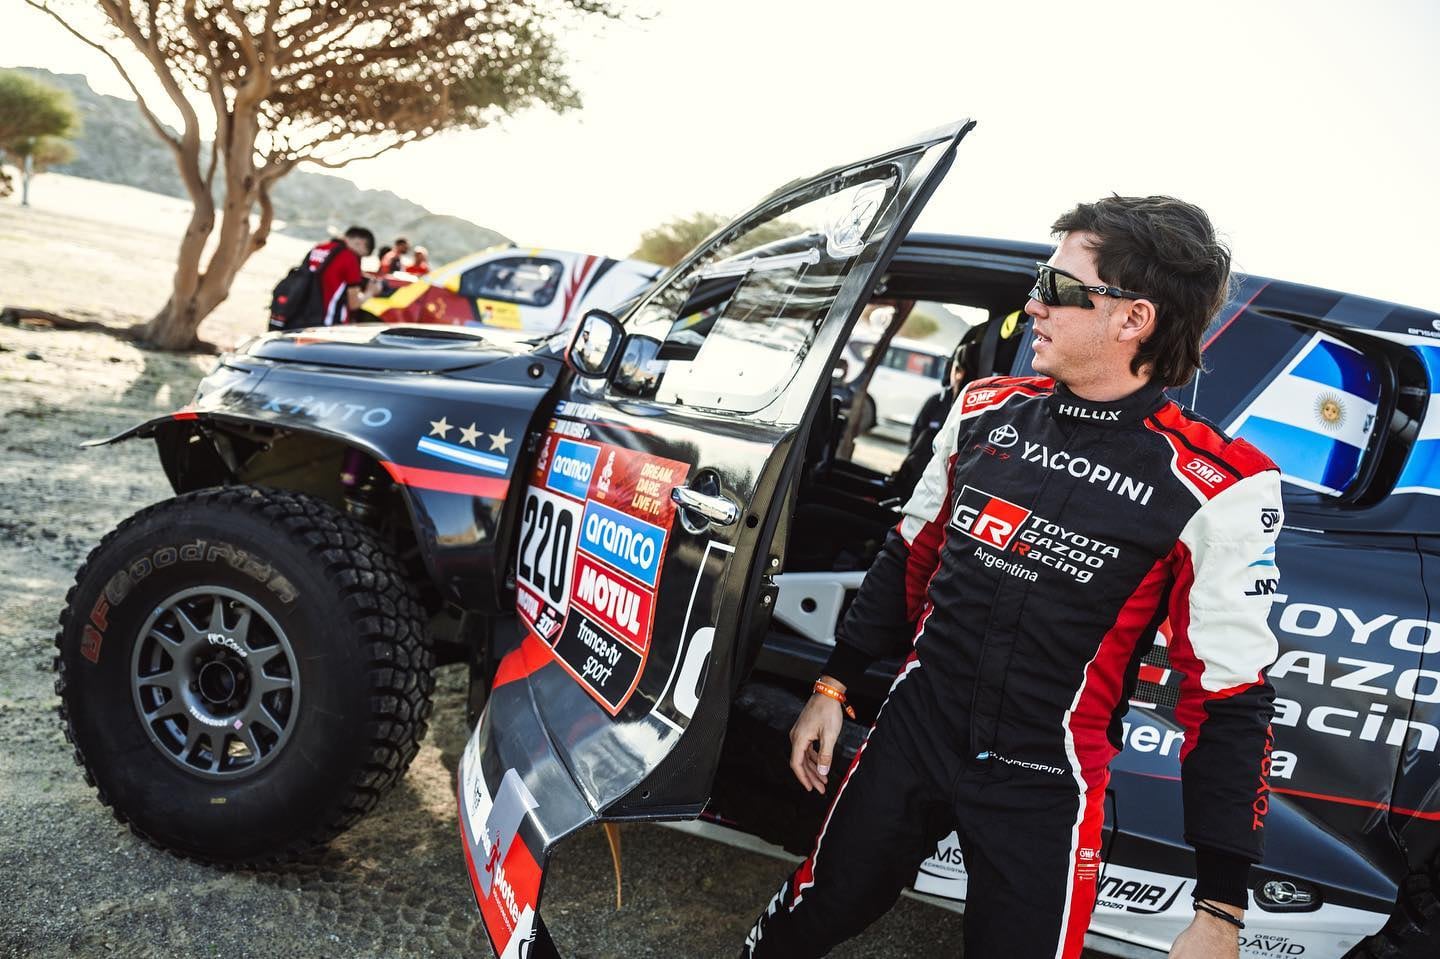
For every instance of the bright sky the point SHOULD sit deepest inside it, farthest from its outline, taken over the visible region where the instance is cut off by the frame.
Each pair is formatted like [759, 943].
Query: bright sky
[1309, 130]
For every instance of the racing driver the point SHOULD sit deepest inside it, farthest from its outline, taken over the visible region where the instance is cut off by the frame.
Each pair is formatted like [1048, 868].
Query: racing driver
[1062, 520]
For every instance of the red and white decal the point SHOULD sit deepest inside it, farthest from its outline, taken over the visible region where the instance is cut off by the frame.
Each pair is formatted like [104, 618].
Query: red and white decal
[622, 606]
[595, 618]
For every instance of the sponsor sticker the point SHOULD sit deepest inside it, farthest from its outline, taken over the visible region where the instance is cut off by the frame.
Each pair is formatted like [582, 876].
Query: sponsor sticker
[630, 545]
[503, 873]
[570, 467]
[619, 604]
[544, 567]
[606, 667]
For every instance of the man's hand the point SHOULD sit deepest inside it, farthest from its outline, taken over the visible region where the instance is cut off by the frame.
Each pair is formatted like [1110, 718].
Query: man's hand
[1209, 937]
[812, 739]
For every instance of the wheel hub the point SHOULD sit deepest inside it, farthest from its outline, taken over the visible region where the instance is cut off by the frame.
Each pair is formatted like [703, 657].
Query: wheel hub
[215, 682]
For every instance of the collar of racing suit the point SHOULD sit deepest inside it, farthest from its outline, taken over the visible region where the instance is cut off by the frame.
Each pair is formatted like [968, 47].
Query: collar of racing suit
[1126, 411]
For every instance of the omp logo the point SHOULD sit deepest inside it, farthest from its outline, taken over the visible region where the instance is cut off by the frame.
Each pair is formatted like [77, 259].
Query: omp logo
[989, 519]
[1204, 472]
[570, 468]
[980, 397]
[1004, 436]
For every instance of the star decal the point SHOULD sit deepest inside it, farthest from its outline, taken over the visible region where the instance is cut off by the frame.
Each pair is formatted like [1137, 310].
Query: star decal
[498, 441]
[468, 434]
[440, 428]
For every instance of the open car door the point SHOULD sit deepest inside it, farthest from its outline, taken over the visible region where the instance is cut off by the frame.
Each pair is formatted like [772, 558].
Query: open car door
[653, 496]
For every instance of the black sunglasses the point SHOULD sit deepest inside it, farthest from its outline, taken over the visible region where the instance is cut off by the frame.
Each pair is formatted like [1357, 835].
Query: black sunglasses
[1055, 287]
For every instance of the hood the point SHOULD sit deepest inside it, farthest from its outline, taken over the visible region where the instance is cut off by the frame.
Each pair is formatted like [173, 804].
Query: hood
[412, 348]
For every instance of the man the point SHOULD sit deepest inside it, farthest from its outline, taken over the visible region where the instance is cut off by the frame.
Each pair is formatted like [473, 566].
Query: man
[342, 285]
[1063, 518]
[394, 260]
[959, 369]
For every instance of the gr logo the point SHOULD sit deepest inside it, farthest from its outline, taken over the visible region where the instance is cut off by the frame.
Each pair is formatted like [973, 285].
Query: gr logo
[989, 519]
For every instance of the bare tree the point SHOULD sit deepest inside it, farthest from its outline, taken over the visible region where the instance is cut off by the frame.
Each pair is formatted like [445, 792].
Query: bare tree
[323, 81]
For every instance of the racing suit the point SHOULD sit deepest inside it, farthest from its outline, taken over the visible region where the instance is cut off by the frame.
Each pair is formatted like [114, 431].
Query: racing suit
[1046, 543]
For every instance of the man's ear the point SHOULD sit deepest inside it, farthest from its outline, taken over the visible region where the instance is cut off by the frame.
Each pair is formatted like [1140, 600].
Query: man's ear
[1137, 321]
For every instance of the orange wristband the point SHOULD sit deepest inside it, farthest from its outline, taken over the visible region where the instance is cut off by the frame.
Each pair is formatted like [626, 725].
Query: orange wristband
[825, 689]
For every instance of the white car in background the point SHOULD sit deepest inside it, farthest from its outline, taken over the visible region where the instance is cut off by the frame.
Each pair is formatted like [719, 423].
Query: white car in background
[529, 289]
[910, 372]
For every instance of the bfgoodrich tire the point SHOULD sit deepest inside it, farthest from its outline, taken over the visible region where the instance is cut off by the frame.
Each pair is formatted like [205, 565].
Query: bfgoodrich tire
[243, 673]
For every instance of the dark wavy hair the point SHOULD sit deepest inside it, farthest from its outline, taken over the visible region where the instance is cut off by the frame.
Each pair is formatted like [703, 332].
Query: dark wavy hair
[1165, 248]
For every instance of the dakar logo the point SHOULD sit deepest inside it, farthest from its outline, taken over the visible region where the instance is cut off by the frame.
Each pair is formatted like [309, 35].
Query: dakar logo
[1269, 519]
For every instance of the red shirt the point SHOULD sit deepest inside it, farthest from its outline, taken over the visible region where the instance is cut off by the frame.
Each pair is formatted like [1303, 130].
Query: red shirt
[391, 263]
[342, 273]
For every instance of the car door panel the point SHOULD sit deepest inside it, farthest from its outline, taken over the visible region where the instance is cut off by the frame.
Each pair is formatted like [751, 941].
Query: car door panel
[614, 703]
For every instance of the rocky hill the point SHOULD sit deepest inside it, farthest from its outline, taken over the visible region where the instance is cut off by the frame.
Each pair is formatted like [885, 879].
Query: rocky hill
[116, 145]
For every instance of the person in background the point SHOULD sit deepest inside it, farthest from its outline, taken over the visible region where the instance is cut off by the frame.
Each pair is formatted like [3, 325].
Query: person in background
[959, 370]
[343, 286]
[420, 265]
[392, 260]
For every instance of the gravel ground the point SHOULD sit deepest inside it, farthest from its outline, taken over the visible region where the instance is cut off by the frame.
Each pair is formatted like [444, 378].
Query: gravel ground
[73, 881]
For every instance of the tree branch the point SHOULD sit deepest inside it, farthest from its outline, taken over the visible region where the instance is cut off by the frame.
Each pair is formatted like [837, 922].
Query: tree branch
[172, 141]
[337, 164]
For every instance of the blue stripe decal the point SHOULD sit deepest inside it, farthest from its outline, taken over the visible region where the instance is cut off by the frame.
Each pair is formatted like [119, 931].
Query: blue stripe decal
[1312, 457]
[1339, 367]
[463, 456]
[1422, 469]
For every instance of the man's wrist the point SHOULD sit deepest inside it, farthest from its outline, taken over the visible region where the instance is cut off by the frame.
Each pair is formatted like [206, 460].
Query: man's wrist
[829, 680]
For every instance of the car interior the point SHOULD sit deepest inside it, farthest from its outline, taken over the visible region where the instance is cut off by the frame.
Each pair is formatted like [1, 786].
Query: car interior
[845, 504]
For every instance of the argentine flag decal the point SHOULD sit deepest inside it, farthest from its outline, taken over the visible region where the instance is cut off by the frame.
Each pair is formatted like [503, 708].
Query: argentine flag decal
[1315, 418]
[1421, 473]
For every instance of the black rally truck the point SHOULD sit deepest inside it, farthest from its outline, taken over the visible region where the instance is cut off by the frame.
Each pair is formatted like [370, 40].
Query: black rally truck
[641, 535]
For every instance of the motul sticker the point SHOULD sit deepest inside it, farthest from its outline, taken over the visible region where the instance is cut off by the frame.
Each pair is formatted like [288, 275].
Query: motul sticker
[622, 606]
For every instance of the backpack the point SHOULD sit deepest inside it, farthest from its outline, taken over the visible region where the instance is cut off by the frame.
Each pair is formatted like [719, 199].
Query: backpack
[296, 301]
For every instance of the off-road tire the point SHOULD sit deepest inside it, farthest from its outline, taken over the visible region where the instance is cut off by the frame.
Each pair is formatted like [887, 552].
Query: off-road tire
[1413, 931]
[364, 668]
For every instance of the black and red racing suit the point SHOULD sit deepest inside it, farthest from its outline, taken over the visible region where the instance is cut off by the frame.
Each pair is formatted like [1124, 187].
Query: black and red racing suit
[1047, 541]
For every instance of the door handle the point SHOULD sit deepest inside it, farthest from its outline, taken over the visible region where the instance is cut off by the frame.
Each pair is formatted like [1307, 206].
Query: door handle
[716, 509]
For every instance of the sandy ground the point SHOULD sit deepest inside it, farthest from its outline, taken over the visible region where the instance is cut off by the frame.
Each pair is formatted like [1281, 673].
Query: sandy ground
[72, 881]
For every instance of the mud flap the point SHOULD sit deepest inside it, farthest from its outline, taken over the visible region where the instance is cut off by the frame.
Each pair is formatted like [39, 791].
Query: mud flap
[507, 832]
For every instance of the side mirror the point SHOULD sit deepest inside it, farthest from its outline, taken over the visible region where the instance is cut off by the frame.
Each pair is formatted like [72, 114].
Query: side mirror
[595, 346]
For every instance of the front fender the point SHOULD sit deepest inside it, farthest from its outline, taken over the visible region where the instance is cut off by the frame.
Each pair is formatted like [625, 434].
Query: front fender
[451, 446]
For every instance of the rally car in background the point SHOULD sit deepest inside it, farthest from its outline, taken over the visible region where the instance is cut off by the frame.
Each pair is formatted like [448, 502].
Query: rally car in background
[534, 290]
[641, 536]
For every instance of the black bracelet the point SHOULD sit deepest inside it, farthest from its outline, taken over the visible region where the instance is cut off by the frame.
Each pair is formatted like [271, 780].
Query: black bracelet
[1202, 906]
